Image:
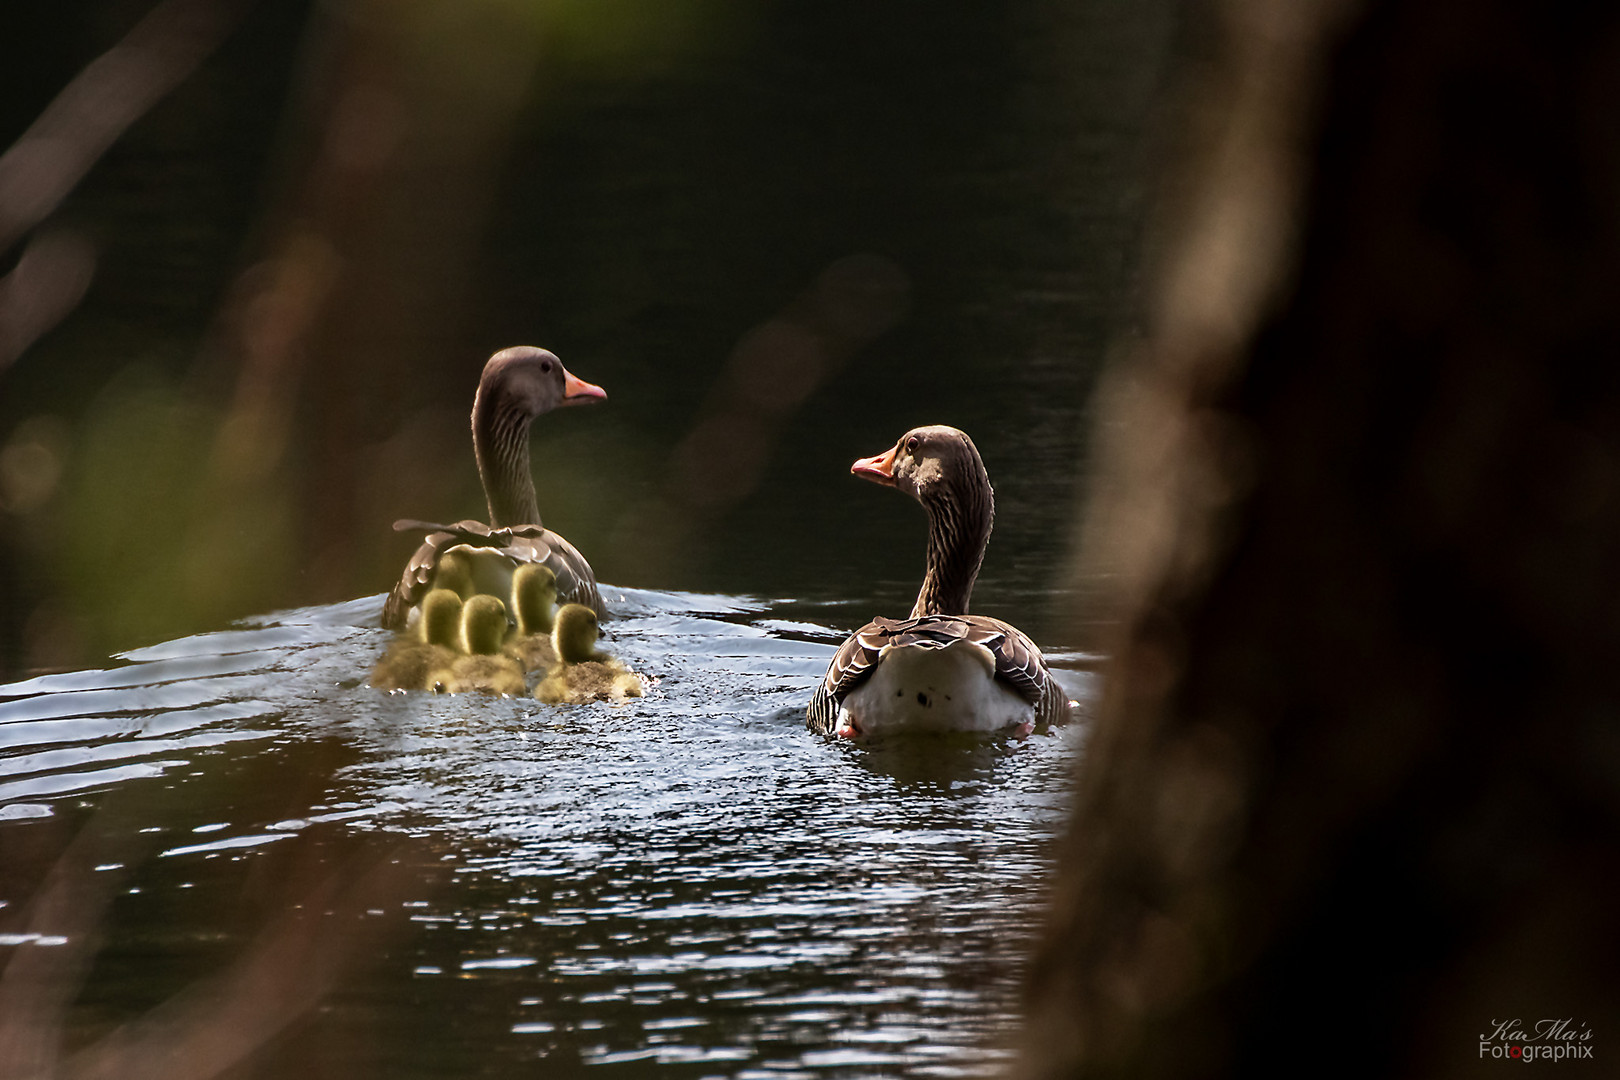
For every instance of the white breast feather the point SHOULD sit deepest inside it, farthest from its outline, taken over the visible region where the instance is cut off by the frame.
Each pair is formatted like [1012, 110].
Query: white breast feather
[915, 689]
[491, 570]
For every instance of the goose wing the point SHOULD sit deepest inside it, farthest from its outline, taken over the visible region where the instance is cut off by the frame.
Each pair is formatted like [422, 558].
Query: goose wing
[1018, 662]
[473, 533]
[853, 661]
[416, 580]
[521, 543]
[576, 582]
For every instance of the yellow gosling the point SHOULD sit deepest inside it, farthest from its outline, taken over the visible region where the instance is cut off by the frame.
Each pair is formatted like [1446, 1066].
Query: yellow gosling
[534, 591]
[582, 672]
[431, 645]
[484, 669]
[454, 572]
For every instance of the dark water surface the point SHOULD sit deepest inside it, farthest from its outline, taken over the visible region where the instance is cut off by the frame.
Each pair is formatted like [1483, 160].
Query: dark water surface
[685, 885]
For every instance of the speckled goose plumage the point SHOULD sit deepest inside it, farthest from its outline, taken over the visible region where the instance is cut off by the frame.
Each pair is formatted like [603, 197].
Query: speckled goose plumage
[942, 469]
[518, 384]
[517, 544]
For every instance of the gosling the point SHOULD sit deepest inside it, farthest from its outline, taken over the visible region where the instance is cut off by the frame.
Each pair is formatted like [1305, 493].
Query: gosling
[534, 591]
[431, 645]
[453, 571]
[583, 673]
[484, 669]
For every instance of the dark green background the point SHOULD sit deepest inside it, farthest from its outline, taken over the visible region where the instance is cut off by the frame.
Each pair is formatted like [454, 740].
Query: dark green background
[676, 176]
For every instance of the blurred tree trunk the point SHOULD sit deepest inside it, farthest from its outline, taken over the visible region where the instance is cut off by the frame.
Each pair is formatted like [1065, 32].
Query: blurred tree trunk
[1352, 793]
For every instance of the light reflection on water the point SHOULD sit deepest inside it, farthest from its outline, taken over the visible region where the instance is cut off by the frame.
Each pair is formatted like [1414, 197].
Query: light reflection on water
[687, 884]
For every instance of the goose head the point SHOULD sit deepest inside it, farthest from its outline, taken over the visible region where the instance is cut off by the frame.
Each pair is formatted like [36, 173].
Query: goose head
[928, 463]
[533, 381]
[518, 384]
[534, 591]
[940, 467]
[441, 618]
[575, 633]
[483, 624]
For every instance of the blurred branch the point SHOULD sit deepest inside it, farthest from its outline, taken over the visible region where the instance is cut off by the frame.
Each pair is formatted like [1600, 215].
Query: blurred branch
[54, 154]
[400, 129]
[1226, 239]
[49, 280]
[1356, 753]
[110, 94]
[292, 964]
[39, 982]
[331, 912]
[1170, 470]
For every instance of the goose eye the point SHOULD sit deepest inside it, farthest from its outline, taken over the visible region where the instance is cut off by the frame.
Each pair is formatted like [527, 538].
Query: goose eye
[545, 367]
[911, 445]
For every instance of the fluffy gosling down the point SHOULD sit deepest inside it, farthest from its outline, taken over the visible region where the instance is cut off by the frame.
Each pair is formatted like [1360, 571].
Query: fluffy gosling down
[432, 644]
[485, 668]
[534, 591]
[582, 672]
[454, 572]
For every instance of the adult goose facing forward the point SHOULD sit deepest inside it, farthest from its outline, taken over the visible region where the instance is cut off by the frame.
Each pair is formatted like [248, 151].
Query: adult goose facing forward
[941, 669]
[518, 385]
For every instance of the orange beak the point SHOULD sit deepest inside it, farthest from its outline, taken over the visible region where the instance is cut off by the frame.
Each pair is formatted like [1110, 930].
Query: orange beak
[879, 469]
[577, 391]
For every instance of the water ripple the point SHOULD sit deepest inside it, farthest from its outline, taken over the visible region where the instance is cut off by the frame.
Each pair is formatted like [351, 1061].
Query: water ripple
[685, 879]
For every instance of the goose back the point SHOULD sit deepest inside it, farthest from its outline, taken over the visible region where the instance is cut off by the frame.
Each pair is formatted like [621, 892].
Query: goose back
[1017, 662]
[493, 554]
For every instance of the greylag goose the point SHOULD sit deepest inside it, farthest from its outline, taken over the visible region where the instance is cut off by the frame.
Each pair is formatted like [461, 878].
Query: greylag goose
[534, 590]
[941, 669]
[518, 385]
[583, 673]
[484, 668]
[409, 659]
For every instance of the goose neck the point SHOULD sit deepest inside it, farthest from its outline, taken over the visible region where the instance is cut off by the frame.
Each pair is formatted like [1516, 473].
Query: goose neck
[501, 444]
[959, 522]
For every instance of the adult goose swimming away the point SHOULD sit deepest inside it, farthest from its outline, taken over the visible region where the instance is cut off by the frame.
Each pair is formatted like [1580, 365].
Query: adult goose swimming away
[518, 385]
[941, 669]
